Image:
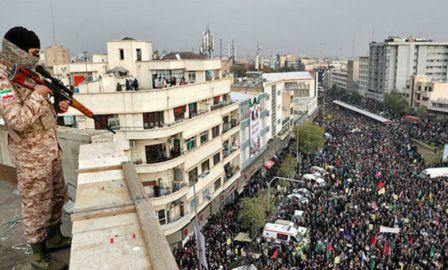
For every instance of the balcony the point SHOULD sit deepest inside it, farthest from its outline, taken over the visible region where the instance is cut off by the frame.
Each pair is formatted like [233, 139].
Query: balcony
[164, 196]
[211, 117]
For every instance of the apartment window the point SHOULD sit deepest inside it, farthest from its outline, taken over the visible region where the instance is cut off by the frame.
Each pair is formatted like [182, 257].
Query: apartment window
[161, 214]
[208, 75]
[193, 109]
[216, 74]
[216, 158]
[139, 54]
[204, 137]
[111, 120]
[205, 166]
[155, 153]
[215, 131]
[121, 54]
[193, 176]
[191, 143]
[192, 76]
[179, 113]
[217, 184]
[152, 120]
[206, 194]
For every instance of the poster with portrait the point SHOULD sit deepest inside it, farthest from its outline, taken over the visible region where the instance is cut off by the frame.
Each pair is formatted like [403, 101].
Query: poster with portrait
[254, 126]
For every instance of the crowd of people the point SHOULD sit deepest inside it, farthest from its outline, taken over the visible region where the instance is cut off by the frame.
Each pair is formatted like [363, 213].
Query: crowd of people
[163, 82]
[375, 183]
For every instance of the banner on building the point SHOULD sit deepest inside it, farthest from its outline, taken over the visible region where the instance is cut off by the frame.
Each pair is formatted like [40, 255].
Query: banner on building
[255, 126]
[445, 153]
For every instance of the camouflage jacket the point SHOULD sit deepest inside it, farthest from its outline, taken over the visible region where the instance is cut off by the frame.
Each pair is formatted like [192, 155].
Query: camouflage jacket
[24, 111]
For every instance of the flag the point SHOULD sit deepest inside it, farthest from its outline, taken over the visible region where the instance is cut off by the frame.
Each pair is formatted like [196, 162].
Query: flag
[201, 243]
[420, 195]
[380, 185]
[381, 191]
[373, 240]
[386, 249]
[275, 255]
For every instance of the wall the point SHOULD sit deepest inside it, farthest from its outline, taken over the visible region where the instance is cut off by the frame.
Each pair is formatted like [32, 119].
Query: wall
[130, 54]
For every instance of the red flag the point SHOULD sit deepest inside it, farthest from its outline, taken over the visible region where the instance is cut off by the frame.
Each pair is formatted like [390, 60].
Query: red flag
[330, 247]
[380, 184]
[275, 255]
[373, 240]
[386, 248]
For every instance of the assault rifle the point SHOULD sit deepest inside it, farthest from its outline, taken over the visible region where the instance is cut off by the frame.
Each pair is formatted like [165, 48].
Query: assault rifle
[28, 79]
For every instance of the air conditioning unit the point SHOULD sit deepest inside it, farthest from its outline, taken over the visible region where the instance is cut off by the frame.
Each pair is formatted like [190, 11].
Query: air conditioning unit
[131, 144]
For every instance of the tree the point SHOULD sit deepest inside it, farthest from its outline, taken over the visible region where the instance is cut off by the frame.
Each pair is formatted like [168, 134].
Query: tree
[422, 112]
[357, 98]
[254, 210]
[396, 103]
[288, 167]
[311, 137]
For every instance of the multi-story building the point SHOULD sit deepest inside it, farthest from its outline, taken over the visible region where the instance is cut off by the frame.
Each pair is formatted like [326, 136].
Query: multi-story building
[337, 77]
[393, 61]
[298, 94]
[352, 75]
[56, 55]
[422, 91]
[180, 128]
[254, 125]
[363, 80]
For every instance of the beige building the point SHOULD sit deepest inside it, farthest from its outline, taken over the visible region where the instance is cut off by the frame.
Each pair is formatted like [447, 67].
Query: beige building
[352, 75]
[56, 55]
[423, 91]
[180, 129]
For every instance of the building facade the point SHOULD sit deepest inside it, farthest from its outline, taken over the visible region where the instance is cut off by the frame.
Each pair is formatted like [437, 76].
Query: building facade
[363, 80]
[422, 91]
[338, 77]
[180, 128]
[56, 55]
[352, 75]
[393, 61]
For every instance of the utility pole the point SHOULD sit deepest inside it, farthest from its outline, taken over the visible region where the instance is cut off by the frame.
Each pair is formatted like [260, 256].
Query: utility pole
[196, 231]
[85, 79]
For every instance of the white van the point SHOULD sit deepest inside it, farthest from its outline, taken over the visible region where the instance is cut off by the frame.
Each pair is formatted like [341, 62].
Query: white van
[318, 169]
[285, 222]
[284, 233]
[309, 177]
[435, 172]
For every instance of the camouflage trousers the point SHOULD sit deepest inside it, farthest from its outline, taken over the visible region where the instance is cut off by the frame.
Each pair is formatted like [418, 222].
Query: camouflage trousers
[40, 182]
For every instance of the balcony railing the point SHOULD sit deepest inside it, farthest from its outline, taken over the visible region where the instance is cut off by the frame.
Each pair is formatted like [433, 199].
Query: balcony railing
[162, 158]
[228, 150]
[163, 191]
[229, 126]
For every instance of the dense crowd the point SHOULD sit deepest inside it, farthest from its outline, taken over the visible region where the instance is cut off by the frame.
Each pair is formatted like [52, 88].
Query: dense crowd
[375, 182]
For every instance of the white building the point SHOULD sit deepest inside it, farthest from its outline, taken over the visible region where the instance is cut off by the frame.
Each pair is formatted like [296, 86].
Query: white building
[180, 128]
[337, 77]
[363, 80]
[393, 61]
[295, 94]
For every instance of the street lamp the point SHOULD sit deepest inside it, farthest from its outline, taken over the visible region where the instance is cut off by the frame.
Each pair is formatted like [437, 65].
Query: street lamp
[196, 225]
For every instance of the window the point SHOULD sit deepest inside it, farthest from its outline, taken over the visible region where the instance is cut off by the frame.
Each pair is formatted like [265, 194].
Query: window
[206, 194]
[193, 176]
[110, 120]
[205, 166]
[204, 137]
[139, 54]
[162, 216]
[121, 54]
[152, 119]
[216, 73]
[216, 158]
[208, 75]
[193, 109]
[215, 131]
[217, 184]
[192, 76]
[179, 113]
[155, 153]
[191, 143]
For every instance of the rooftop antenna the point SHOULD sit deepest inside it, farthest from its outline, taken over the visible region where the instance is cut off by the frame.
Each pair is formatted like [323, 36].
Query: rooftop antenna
[53, 24]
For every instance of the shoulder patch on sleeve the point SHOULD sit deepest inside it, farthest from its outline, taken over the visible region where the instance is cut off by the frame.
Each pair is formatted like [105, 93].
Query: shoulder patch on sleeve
[6, 96]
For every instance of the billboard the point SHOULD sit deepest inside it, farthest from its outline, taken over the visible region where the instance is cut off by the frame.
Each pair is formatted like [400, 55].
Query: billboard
[254, 126]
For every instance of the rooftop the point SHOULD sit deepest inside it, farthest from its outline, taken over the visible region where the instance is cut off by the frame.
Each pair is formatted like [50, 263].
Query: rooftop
[298, 75]
[182, 56]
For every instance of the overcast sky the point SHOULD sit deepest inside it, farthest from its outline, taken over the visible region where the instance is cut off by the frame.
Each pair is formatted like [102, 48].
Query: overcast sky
[311, 27]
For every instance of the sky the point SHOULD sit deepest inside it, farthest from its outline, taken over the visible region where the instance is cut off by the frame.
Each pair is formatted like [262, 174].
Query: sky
[314, 28]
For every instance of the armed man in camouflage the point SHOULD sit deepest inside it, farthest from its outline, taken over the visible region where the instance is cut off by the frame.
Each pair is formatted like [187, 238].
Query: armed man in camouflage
[31, 122]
